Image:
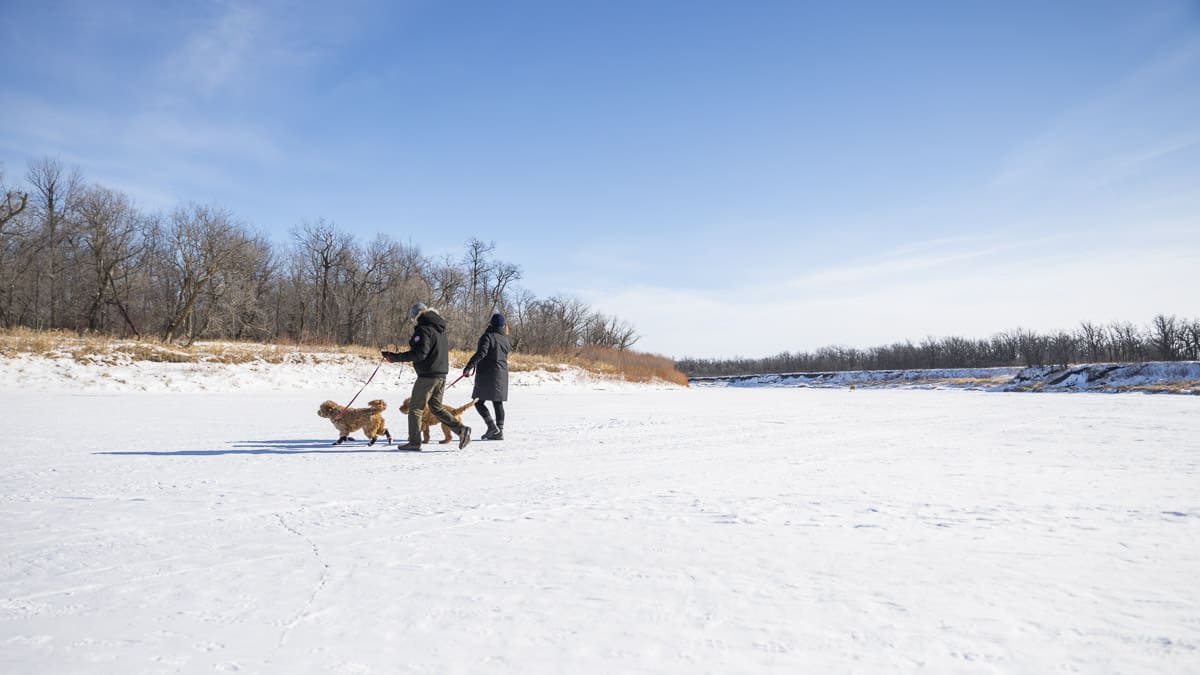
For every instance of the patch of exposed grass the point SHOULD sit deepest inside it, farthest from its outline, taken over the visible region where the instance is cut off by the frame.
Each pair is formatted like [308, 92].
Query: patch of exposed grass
[14, 341]
[1181, 387]
[994, 381]
[93, 348]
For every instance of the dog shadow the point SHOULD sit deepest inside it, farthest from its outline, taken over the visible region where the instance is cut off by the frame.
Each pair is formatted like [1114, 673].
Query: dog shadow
[288, 446]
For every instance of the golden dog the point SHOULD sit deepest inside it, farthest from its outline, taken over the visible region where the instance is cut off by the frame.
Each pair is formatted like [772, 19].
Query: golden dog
[428, 419]
[348, 420]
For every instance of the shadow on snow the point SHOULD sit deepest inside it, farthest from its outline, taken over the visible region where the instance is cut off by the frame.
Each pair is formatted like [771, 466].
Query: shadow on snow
[279, 447]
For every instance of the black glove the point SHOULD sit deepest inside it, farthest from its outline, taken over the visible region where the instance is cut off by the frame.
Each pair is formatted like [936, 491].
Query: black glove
[390, 357]
[467, 371]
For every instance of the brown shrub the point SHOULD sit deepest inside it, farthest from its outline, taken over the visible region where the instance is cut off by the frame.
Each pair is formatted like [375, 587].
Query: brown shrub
[633, 366]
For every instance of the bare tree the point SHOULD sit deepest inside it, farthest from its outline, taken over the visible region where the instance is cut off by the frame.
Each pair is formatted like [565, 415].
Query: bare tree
[1032, 347]
[957, 350]
[237, 302]
[110, 237]
[931, 350]
[478, 269]
[519, 306]
[503, 274]
[18, 269]
[55, 190]
[201, 242]
[448, 282]
[1164, 331]
[1124, 341]
[607, 331]
[408, 283]
[326, 252]
[1091, 337]
[14, 203]
[367, 278]
[555, 325]
[1061, 347]
[1192, 340]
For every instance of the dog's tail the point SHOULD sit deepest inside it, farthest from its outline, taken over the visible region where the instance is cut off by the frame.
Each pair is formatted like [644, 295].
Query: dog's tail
[459, 411]
[377, 405]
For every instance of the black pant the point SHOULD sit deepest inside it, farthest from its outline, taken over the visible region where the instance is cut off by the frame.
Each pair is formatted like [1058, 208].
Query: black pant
[427, 391]
[483, 411]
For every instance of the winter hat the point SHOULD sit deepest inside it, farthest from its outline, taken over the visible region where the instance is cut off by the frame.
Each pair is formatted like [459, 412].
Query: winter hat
[497, 320]
[416, 310]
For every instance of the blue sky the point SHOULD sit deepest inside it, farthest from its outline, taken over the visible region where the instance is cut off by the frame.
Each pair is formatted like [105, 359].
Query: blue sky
[733, 178]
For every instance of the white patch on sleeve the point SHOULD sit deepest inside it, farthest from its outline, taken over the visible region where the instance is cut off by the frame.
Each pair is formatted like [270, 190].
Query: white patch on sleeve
[416, 338]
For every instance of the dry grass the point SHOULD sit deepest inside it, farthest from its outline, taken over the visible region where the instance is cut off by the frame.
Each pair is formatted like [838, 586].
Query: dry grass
[627, 365]
[958, 382]
[994, 381]
[1181, 387]
[631, 366]
[100, 348]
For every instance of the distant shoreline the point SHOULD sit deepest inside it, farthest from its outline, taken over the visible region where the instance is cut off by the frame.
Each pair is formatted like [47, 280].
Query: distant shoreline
[1156, 377]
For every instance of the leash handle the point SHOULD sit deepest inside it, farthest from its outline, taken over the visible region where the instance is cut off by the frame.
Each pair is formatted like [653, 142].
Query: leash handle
[360, 390]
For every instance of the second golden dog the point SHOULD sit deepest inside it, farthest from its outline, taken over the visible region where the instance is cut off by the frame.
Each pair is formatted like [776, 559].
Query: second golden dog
[428, 419]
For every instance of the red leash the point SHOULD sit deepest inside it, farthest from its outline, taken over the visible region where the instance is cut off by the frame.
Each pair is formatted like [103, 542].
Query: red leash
[360, 391]
[369, 382]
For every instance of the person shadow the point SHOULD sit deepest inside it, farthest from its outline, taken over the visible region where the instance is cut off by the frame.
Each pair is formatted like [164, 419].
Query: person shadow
[288, 446]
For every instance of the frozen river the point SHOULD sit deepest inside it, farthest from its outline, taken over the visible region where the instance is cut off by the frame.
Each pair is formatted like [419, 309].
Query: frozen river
[626, 530]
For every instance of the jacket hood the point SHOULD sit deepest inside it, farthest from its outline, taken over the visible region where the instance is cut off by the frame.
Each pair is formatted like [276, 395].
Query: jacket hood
[432, 318]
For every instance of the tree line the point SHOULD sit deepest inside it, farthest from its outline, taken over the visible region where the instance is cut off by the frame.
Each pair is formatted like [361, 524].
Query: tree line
[84, 257]
[1165, 338]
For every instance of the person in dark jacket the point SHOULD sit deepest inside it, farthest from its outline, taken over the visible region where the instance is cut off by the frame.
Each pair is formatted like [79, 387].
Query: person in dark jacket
[430, 356]
[490, 366]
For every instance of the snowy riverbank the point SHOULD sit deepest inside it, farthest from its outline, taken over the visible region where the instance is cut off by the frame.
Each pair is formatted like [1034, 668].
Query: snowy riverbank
[340, 375]
[1177, 377]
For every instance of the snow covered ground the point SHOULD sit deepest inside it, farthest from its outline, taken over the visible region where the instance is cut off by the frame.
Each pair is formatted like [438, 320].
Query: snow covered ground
[621, 528]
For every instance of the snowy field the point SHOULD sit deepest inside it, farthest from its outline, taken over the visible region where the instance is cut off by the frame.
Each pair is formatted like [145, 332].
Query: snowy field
[620, 529]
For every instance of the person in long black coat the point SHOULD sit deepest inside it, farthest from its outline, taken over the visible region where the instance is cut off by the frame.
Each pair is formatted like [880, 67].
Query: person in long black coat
[490, 367]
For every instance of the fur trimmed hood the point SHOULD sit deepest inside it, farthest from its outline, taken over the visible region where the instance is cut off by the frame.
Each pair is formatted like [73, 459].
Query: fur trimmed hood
[431, 317]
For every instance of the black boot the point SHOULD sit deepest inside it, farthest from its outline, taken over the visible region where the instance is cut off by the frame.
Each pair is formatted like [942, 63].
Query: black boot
[499, 435]
[492, 429]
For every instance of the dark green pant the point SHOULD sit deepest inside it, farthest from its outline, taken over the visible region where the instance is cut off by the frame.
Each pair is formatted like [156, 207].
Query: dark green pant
[427, 391]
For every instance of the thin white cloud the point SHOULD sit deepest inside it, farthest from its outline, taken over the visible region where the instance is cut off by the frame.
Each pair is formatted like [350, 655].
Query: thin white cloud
[142, 153]
[1037, 287]
[212, 57]
[248, 44]
[931, 256]
[1151, 113]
